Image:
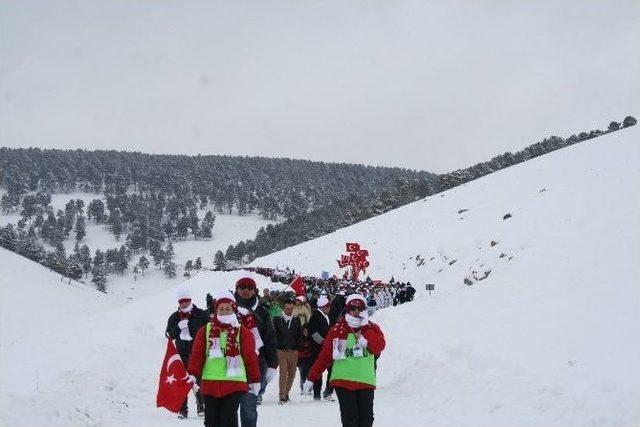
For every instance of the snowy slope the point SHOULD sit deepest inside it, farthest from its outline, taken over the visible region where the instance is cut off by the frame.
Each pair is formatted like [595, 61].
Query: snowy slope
[551, 336]
[548, 339]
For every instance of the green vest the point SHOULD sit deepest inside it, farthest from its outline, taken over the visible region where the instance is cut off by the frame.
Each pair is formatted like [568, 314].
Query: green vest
[215, 368]
[358, 369]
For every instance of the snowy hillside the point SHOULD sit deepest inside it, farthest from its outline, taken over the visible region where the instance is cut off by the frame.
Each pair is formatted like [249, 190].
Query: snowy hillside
[549, 338]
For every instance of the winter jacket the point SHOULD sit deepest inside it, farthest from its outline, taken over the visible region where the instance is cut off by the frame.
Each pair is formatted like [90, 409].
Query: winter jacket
[318, 328]
[224, 388]
[197, 319]
[264, 324]
[288, 334]
[375, 345]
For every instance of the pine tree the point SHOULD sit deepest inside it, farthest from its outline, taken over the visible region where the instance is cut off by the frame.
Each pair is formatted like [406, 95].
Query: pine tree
[99, 271]
[169, 269]
[182, 229]
[115, 221]
[158, 258]
[198, 264]
[169, 266]
[205, 232]
[60, 265]
[143, 264]
[188, 266]
[209, 219]
[219, 261]
[95, 210]
[121, 264]
[8, 237]
[85, 259]
[74, 269]
[81, 230]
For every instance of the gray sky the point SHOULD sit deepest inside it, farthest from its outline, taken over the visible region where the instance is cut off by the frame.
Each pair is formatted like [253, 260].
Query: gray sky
[433, 85]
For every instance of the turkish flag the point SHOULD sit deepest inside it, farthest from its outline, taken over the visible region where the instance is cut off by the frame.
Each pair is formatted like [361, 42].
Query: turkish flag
[298, 286]
[353, 247]
[173, 387]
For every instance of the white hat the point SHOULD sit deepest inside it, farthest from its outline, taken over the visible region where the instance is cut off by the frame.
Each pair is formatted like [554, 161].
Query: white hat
[225, 296]
[300, 298]
[323, 300]
[354, 297]
[182, 293]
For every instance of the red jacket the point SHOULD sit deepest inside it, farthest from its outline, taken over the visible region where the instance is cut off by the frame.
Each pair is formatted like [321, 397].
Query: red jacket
[375, 345]
[224, 388]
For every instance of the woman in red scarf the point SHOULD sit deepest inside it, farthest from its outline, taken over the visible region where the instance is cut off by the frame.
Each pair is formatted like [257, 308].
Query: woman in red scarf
[224, 356]
[351, 348]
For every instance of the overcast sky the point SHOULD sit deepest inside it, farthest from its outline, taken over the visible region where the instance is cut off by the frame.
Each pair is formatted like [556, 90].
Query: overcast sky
[432, 85]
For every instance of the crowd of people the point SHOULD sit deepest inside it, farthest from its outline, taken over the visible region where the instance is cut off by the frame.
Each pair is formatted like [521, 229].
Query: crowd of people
[236, 347]
[377, 293]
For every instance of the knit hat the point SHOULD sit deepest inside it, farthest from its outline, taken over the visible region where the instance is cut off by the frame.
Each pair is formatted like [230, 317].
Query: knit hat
[225, 296]
[323, 301]
[300, 298]
[246, 281]
[356, 299]
[182, 294]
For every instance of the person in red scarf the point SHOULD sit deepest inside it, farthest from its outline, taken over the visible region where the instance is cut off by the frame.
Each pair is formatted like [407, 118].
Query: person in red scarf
[351, 347]
[182, 326]
[224, 357]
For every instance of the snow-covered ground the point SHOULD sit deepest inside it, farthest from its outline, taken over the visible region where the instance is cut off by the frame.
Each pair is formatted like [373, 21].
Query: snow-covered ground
[549, 338]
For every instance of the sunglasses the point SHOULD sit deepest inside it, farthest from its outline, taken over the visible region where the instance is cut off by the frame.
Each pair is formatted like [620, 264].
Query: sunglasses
[245, 287]
[355, 308]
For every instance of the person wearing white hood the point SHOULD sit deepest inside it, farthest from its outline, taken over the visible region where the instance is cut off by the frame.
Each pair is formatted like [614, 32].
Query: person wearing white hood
[182, 326]
[318, 328]
[351, 346]
[224, 357]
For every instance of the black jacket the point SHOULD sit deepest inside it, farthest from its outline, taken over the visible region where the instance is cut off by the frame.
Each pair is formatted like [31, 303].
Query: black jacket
[337, 306]
[318, 328]
[288, 334]
[198, 319]
[268, 352]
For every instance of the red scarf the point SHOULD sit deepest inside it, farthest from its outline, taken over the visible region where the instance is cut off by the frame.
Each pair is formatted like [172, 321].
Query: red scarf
[232, 348]
[185, 315]
[248, 320]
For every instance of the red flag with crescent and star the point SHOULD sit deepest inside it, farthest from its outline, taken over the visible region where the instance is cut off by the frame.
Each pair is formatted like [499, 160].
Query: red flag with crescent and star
[298, 286]
[173, 387]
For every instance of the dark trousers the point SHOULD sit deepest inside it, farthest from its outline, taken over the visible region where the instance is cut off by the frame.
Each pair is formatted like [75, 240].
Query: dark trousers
[185, 408]
[317, 386]
[304, 366]
[356, 407]
[221, 411]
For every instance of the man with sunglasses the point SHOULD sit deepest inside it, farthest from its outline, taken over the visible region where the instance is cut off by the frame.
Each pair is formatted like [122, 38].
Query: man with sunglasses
[247, 298]
[351, 347]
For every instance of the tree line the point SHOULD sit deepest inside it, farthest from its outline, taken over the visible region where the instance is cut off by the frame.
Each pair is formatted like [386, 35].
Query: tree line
[271, 187]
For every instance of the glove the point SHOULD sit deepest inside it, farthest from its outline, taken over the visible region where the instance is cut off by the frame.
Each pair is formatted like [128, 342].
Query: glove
[307, 387]
[363, 341]
[254, 388]
[364, 316]
[194, 383]
[183, 324]
[270, 374]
